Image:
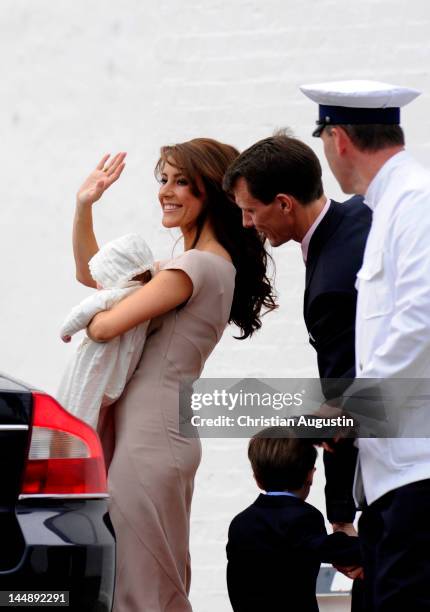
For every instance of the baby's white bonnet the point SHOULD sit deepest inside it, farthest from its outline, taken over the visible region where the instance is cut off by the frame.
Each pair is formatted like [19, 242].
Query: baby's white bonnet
[118, 261]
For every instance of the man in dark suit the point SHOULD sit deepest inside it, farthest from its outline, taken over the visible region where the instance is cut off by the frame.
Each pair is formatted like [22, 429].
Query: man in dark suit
[277, 544]
[334, 257]
[277, 184]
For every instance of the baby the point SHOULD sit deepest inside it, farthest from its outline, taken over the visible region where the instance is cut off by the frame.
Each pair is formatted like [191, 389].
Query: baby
[99, 371]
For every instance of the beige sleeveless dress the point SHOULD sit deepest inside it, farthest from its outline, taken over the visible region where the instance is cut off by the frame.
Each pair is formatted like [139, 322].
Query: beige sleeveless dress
[152, 470]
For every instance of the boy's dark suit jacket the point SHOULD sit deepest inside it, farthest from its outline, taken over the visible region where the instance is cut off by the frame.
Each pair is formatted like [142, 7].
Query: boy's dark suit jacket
[274, 552]
[335, 255]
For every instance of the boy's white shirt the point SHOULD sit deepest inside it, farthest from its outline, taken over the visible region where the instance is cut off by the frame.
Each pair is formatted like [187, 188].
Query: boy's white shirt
[98, 373]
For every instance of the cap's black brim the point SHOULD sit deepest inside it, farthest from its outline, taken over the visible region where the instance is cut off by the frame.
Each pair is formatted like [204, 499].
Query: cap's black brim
[318, 130]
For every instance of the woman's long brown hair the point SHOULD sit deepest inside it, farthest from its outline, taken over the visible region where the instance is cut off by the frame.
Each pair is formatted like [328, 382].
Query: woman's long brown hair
[208, 160]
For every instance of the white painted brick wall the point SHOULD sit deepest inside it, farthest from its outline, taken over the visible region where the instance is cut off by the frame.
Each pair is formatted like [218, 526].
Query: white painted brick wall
[81, 78]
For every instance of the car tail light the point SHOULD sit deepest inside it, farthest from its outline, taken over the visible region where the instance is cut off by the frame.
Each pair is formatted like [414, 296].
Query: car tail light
[65, 457]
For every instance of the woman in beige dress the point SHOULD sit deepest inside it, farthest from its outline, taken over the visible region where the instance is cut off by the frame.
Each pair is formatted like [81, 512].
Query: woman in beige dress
[219, 279]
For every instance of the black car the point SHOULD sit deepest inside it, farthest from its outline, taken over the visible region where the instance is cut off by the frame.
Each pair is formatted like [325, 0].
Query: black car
[56, 541]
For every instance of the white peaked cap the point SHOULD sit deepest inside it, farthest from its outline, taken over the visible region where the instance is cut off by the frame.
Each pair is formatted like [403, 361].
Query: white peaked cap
[360, 94]
[358, 102]
[120, 260]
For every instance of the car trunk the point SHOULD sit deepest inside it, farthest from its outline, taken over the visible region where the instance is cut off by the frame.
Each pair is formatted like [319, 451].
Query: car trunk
[15, 427]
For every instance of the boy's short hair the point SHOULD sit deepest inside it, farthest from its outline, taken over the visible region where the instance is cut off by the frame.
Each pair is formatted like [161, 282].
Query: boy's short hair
[280, 461]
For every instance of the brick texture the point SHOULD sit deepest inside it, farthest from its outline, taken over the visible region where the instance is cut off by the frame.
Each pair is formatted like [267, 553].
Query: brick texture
[79, 79]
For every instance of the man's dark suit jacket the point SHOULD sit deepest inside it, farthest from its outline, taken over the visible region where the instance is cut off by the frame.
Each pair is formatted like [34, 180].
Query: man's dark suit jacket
[274, 550]
[335, 255]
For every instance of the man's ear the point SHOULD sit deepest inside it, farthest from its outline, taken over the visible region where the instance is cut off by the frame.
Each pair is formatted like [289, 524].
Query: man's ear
[341, 139]
[285, 202]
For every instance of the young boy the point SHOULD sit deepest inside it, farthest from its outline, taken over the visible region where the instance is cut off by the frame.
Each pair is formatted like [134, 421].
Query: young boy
[275, 547]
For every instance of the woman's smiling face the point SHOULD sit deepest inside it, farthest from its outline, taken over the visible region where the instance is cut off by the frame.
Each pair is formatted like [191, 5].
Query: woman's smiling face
[180, 205]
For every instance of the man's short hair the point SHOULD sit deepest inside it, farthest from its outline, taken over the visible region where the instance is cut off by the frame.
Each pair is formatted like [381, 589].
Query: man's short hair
[280, 463]
[374, 137]
[278, 164]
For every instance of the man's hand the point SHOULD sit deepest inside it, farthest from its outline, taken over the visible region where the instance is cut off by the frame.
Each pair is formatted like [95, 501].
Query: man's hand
[351, 571]
[329, 409]
[332, 409]
[347, 528]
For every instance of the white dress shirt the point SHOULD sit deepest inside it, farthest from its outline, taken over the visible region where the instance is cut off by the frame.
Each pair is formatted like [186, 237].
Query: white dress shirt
[393, 317]
[306, 240]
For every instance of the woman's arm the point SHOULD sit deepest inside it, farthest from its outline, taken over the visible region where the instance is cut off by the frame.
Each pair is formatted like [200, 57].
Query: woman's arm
[84, 241]
[84, 244]
[167, 290]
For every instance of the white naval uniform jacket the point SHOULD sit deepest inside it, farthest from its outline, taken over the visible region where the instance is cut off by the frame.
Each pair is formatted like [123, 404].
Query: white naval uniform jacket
[393, 317]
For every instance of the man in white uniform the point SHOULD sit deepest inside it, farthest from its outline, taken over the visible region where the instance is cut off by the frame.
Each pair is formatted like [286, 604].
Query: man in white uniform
[364, 146]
